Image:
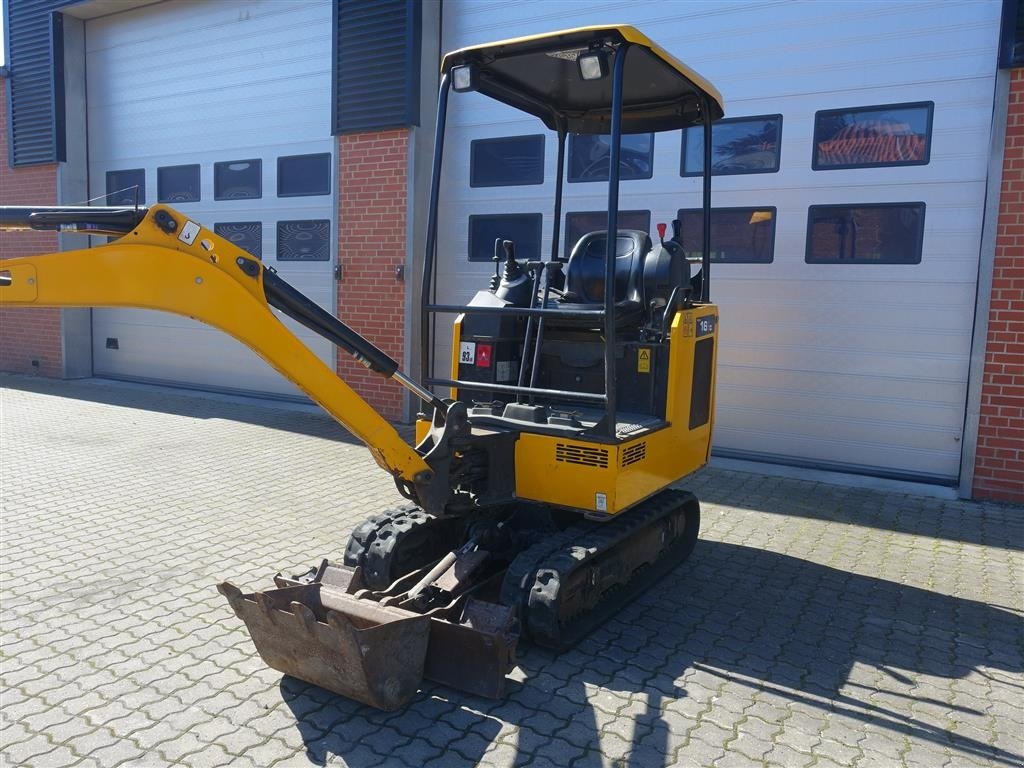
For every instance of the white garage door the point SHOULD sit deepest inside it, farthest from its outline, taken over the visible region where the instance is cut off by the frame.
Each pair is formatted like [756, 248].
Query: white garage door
[836, 364]
[221, 109]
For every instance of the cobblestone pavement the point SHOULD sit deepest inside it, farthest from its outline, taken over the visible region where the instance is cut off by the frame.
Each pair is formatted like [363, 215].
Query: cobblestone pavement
[814, 625]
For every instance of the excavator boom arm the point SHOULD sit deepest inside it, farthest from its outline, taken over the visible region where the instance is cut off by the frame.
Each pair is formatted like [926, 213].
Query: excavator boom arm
[167, 262]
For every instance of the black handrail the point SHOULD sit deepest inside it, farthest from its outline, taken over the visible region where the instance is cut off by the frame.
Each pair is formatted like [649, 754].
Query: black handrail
[512, 389]
[618, 68]
[705, 266]
[568, 314]
[430, 247]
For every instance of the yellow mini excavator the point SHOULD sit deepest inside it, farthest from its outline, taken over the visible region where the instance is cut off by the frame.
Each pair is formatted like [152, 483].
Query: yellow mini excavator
[537, 494]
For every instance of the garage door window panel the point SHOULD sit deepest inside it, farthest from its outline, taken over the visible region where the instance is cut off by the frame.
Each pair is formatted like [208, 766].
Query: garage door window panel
[304, 240]
[589, 155]
[178, 184]
[508, 161]
[238, 180]
[304, 175]
[738, 235]
[126, 187]
[524, 229]
[738, 145]
[873, 137]
[579, 223]
[247, 235]
[879, 233]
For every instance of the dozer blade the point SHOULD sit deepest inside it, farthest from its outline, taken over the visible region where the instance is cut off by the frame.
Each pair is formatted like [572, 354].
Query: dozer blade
[358, 648]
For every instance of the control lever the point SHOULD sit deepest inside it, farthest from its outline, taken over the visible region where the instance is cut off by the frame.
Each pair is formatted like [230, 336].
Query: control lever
[496, 258]
[661, 231]
[512, 270]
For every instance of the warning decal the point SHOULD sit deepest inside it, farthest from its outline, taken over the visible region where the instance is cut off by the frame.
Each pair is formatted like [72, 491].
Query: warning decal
[643, 360]
[483, 355]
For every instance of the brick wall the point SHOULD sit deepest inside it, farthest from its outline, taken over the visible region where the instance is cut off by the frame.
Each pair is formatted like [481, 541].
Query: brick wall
[999, 467]
[29, 337]
[371, 233]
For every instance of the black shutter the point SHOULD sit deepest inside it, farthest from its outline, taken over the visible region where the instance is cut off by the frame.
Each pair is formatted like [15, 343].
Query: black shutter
[376, 64]
[35, 81]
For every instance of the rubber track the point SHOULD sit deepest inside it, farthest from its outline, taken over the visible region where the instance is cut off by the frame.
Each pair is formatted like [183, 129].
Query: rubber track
[373, 543]
[540, 616]
[515, 587]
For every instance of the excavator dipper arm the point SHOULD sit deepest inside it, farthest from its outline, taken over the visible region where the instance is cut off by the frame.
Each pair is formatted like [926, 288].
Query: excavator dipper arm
[164, 261]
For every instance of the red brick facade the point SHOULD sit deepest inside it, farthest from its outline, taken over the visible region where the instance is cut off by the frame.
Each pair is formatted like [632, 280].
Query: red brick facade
[999, 467]
[29, 337]
[371, 245]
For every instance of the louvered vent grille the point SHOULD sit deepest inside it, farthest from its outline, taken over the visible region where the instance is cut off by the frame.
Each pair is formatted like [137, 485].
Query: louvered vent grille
[36, 116]
[581, 454]
[377, 65]
[634, 453]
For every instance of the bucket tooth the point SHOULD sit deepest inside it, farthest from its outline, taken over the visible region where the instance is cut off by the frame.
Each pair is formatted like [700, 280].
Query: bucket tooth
[326, 637]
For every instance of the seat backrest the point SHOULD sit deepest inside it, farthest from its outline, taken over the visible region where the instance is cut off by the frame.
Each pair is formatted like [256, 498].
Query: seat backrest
[584, 275]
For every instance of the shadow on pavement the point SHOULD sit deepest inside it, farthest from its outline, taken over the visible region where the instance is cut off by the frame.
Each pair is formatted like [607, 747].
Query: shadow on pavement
[991, 524]
[282, 415]
[734, 616]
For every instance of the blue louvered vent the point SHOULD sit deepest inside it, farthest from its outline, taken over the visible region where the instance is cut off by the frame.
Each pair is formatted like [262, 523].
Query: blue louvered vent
[35, 81]
[376, 64]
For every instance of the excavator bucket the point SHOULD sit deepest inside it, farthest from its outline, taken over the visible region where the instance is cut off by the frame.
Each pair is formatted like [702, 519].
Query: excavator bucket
[327, 628]
[358, 648]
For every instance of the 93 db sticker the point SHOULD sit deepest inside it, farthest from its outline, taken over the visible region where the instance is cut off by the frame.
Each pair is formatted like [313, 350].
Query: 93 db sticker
[467, 352]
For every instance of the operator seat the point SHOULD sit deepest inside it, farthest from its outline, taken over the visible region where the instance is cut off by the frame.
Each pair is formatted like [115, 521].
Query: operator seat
[584, 275]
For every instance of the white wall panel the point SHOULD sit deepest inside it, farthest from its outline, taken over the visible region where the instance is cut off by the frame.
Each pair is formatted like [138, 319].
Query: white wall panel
[847, 364]
[185, 82]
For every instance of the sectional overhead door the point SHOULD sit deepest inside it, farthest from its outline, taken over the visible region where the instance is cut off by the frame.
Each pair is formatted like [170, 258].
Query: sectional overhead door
[851, 191]
[221, 109]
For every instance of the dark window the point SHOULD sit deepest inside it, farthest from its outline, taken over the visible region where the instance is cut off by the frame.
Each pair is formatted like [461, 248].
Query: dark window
[738, 235]
[507, 161]
[122, 187]
[307, 240]
[877, 233]
[521, 228]
[247, 235]
[238, 180]
[580, 223]
[588, 157]
[1011, 35]
[177, 184]
[300, 175]
[738, 145]
[870, 137]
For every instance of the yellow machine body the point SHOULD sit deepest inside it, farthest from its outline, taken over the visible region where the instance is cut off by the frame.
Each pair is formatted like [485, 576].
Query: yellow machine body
[602, 478]
[606, 478]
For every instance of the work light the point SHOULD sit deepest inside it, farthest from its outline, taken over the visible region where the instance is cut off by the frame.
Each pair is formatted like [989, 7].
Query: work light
[593, 65]
[464, 78]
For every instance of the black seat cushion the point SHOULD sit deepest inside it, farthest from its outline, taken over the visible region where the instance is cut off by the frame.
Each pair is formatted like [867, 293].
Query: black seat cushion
[584, 279]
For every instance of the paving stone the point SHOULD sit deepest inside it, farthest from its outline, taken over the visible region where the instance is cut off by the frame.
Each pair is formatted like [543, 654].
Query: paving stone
[821, 625]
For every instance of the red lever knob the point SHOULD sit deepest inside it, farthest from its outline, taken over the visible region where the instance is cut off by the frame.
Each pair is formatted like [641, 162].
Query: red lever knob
[661, 231]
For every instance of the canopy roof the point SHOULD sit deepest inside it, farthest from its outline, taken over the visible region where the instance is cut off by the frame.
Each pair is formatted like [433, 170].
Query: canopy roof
[539, 75]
